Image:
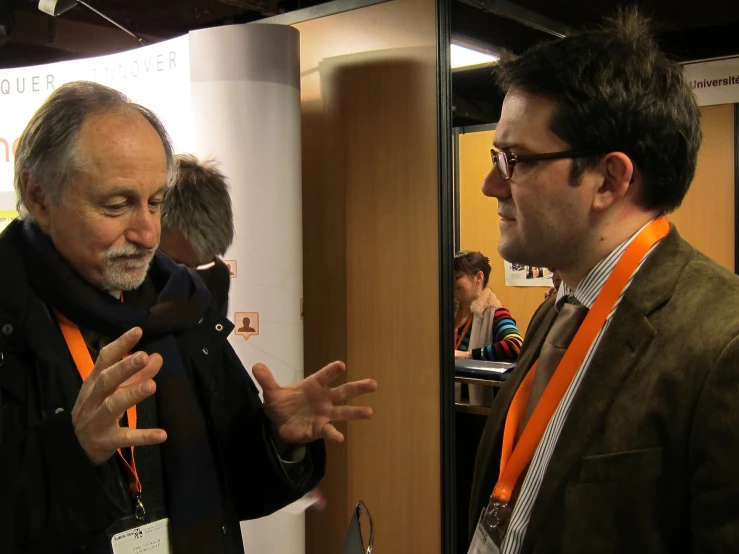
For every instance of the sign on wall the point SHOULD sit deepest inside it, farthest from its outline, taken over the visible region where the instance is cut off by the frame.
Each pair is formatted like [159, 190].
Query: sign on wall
[714, 82]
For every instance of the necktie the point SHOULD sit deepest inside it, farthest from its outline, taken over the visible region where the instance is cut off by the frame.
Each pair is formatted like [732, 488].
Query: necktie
[555, 345]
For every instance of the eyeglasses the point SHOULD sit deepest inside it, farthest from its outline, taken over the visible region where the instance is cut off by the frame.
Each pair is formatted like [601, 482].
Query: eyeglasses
[506, 162]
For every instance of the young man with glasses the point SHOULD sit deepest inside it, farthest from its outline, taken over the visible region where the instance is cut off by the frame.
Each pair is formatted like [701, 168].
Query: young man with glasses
[619, 429]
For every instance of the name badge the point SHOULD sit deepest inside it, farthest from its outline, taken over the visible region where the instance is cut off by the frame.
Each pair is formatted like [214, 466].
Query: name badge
[152, 538]
[481, 541]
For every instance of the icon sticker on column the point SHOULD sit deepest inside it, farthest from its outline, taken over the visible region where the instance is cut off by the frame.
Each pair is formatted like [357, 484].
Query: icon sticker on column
[247, 324]
[233, 267]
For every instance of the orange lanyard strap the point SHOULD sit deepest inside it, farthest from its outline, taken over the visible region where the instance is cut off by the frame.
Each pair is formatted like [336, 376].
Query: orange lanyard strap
[457, 320]
[514, 460]
[85, 365]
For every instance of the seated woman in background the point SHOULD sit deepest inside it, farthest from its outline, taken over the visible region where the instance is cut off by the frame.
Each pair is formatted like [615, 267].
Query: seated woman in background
[483, 328]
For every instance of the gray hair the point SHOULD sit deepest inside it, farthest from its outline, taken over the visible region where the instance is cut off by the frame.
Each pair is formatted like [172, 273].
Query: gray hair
[47, 149]
[199, 206]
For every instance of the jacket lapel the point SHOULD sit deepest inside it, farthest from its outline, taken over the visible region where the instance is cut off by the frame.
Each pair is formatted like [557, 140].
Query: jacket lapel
[628, 336]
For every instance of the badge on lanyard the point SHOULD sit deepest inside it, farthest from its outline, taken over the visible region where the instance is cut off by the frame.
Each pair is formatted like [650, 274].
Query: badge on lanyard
[152, 538]
[482, 542]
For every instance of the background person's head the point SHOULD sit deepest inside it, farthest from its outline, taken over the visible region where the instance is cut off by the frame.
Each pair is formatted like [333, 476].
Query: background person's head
[91, 169]
[609, 90]
[471, 274]
[556, 279]
[197, 217]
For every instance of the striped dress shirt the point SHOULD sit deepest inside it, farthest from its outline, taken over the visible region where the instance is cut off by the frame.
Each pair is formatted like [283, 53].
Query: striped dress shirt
[585, 293]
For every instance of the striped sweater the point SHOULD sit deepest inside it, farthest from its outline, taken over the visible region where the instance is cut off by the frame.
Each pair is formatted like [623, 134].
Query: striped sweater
[506, 339]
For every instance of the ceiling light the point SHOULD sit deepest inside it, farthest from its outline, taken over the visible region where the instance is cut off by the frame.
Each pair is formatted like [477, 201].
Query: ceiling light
[56, 7]
[463, 56]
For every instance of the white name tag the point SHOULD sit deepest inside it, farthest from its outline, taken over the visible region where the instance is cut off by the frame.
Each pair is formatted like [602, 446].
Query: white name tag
[481, 541]
[152, 538]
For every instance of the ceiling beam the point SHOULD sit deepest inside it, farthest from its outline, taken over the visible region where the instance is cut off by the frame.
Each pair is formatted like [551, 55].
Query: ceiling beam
[38, 29]
[509, 10]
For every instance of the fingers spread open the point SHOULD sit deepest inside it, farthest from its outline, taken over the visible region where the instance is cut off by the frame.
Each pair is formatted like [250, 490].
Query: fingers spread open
[330, 433]
[116, 404]
[149, 371]
[348, 413]
[113, 352]
[109, 379]
[330, 372]
[341, 394]
[139, 437]
[264, 377]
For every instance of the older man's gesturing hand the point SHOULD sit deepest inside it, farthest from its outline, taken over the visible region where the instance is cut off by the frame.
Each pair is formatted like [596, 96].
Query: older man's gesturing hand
[114, 386]
[303, 412]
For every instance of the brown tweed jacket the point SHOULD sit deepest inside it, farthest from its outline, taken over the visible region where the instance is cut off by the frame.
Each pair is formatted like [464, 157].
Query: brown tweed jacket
[648, 459]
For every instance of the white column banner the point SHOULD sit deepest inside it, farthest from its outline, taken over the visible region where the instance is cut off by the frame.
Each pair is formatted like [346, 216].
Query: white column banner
[246, 114]
[714, 82]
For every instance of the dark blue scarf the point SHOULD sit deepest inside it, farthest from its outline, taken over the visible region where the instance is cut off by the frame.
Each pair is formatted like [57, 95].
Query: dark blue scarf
[170, 301]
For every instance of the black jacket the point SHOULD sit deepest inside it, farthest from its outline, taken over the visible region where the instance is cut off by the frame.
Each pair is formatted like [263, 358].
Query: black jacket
[52, 499]
[218, 280]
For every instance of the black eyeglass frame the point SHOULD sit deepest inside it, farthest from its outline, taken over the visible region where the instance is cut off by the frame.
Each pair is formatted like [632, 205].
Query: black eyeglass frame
[513, 159]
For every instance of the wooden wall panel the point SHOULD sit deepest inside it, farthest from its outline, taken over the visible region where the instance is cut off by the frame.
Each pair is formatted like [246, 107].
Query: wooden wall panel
[478, 225]
[706, 218]
[371, 262]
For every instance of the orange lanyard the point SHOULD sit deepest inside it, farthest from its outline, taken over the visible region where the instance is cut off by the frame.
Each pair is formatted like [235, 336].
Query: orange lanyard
[458, 341]
[514, 460]
[85, 365]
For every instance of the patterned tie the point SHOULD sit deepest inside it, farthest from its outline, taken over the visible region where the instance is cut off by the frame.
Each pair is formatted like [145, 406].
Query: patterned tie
[558, 339]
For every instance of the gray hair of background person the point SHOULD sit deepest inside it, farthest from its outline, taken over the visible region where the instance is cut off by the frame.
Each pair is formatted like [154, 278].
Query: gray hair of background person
[615, 91]
[47, 149]
[199, 206]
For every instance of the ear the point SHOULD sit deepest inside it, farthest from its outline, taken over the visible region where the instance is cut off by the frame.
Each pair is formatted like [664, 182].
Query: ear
[36, 200]
[618, 171]
[480, 276]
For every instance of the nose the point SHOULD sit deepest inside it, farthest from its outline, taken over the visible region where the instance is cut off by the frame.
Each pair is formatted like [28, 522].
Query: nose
[494, 186]
[144, 229]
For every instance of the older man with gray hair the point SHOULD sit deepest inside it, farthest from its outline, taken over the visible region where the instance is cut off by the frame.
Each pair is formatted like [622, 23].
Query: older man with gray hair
[197, 224]
[106, 449]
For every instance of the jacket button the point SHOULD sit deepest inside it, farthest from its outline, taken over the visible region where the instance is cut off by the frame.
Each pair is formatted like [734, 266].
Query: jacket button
[205, 351]
[219, 327]
[7, 329]
[225, 530]
[58, 410]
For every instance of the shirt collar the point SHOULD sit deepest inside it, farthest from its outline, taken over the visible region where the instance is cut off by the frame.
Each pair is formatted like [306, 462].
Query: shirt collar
[589, 288]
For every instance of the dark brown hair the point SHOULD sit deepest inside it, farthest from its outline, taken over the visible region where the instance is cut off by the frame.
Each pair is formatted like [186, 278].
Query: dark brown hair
[470, 263]
[616, 91]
